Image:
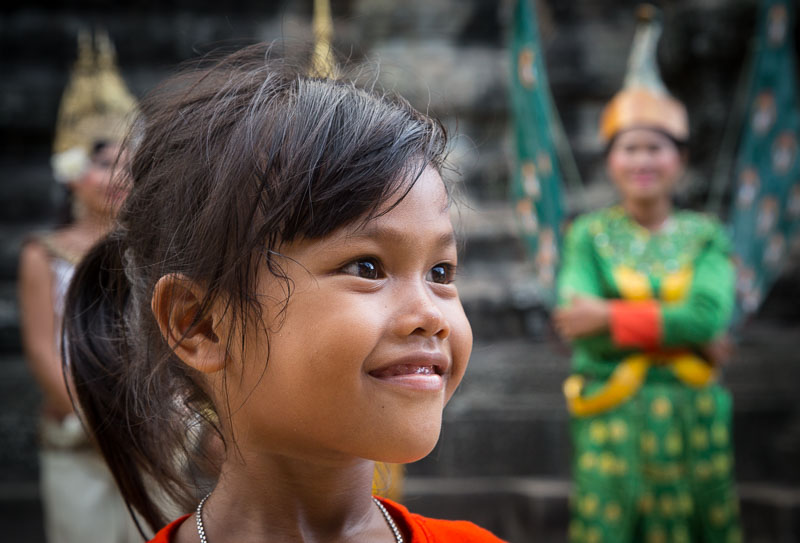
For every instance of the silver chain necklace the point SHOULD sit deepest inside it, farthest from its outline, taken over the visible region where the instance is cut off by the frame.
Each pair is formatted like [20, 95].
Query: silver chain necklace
[201, 531]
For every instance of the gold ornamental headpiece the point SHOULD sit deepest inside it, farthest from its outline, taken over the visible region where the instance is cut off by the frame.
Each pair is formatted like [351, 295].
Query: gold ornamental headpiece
[644, 100]
[323, 63]
[96, 106]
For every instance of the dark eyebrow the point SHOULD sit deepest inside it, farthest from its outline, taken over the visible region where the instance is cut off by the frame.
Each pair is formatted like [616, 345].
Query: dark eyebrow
[389, 234]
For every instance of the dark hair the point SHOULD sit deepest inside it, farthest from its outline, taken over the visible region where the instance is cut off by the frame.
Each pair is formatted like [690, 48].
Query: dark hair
[230, 158]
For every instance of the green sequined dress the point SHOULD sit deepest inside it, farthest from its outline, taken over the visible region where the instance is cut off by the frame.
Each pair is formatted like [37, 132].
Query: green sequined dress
[658, 465]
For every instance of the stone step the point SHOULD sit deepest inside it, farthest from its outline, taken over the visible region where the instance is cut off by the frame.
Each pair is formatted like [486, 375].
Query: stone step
[19, 419]
[29, 187]
[21, 512]
[762, 372]
[488, 230]
[10, 343]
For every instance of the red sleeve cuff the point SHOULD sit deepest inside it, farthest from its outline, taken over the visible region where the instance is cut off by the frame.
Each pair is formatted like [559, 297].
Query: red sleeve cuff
[636, 324]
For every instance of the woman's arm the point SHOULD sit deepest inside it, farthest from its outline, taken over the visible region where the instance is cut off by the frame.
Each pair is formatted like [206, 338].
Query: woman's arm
[35, 290]
[582, 310]
[707, 310]
[579, 274]
[692, 322]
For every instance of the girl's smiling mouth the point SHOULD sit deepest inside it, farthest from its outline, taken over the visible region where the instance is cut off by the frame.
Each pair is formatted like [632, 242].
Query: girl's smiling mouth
[422, 371]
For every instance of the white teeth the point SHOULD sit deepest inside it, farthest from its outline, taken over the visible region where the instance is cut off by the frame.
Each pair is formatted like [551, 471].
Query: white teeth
[396, 371]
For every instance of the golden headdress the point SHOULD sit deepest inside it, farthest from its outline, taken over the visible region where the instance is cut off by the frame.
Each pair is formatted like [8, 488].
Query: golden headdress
[323, 63]
[644, 100]
[96, 106]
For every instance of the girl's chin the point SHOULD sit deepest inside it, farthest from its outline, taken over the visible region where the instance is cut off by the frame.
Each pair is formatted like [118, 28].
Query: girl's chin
[410, 449]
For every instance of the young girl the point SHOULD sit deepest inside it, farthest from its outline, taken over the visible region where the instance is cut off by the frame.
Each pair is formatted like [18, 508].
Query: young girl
[278, 300]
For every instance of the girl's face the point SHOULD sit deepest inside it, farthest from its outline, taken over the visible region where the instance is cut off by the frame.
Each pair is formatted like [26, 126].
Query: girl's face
[644, 165]
[95, 189]
[372, 345]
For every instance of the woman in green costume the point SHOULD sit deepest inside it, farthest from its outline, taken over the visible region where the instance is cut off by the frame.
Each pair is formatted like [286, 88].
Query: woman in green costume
[645, 293]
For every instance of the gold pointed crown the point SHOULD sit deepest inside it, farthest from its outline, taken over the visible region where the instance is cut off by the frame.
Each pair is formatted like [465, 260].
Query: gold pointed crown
[323, 63]
[96, 106]
[644, 100]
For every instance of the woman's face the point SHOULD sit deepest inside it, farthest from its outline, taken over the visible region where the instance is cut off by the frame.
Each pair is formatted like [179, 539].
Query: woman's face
[371, 346]
[95, 189]
[644, 165]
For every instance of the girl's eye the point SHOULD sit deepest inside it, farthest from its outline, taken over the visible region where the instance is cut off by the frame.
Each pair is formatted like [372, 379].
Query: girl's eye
[442, 274]
[366, 268]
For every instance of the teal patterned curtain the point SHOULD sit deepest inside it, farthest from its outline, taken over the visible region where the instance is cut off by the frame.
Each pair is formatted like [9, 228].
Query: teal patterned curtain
[536, 190]
[765, 210]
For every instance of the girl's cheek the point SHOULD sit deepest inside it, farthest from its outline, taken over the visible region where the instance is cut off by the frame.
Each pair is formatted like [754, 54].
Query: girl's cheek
[462, 342]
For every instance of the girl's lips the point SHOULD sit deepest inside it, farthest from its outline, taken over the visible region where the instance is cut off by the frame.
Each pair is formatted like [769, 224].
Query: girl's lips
[404, 369]
[423, 372]
[431, 382]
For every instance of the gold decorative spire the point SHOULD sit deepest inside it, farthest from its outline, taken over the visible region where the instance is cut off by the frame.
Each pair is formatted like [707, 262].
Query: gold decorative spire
[323, 63]
[96, 106]
[644, 100]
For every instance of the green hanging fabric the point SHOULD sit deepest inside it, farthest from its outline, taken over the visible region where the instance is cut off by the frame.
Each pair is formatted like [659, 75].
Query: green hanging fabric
[536, 191]
[765, 209]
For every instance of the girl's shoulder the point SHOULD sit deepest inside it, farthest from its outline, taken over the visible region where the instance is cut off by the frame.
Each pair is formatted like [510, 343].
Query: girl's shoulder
[430, 530]
[167, 533]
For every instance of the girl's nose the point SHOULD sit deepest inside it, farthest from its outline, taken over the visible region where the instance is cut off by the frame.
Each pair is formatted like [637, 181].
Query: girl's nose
[420, 312]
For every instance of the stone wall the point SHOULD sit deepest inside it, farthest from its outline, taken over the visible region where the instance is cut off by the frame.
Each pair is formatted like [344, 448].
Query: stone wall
[503, 458]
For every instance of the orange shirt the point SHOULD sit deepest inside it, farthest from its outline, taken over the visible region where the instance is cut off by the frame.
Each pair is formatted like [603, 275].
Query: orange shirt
[415, 528]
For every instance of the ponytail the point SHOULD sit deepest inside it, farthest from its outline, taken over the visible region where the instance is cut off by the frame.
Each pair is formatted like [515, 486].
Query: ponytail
[97, 359]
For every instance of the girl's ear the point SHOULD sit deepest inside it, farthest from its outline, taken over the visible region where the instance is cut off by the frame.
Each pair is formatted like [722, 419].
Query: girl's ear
[192, 336]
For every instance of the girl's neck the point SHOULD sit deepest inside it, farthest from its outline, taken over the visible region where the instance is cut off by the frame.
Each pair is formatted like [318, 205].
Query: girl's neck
[292, 500]
[650, 214]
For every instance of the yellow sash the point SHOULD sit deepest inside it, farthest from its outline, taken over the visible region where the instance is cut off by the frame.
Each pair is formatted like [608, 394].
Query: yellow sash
[630, 373]
[628, 377]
